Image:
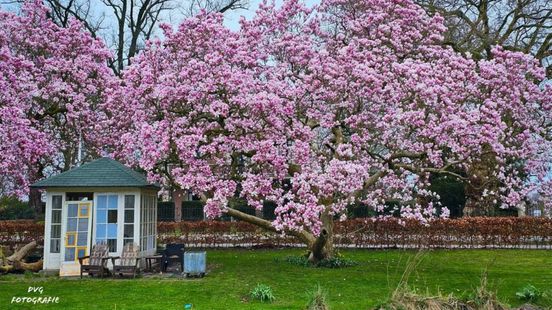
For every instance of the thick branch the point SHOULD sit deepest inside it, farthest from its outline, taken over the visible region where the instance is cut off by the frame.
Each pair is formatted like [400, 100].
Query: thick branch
[432, 170]
[304, 236]
[21, 253]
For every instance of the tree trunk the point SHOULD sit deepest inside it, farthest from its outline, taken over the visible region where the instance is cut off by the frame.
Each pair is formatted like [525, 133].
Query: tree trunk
[35, 202]
[15, 261]
[482, 178]
[34, 267]
[323, 246]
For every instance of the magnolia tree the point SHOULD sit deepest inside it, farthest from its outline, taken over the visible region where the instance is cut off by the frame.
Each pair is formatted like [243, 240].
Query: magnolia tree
[353, 102]
[52, 81]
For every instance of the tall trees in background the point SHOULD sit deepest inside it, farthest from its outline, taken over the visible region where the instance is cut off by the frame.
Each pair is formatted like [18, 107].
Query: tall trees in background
[125, 25]
[57, 98]
[475, 27]
[356, 102]
[53, 81]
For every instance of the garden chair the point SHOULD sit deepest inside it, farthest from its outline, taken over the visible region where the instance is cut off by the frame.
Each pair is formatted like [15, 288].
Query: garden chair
[97, 261]
[173, 252]
[127, 263]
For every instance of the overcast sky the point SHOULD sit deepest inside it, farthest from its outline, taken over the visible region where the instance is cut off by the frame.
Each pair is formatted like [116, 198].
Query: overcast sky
[231, 19]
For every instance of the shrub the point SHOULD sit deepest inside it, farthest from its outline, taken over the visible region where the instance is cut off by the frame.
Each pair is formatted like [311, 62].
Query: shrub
[334, 262]
[529, 293]
[318, 299]
[263, 293]
[13, 209]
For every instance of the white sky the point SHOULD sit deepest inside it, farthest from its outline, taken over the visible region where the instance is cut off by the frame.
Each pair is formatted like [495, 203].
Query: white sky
[231, 19]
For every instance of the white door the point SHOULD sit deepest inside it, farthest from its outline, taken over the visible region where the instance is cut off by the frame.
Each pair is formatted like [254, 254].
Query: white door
[76, 241]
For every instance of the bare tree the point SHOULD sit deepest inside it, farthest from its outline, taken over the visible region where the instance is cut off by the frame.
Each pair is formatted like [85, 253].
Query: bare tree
[476, 25]
[62, 12]
[220, 6]
[125, 25]
[135, 21]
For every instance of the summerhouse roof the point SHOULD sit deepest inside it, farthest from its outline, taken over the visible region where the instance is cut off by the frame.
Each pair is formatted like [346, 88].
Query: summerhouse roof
[102, 172]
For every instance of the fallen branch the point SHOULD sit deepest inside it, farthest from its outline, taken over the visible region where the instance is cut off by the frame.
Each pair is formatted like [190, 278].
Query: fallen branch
[15, 261]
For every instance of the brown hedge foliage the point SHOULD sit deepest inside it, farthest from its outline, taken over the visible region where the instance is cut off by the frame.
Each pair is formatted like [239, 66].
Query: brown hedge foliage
[20, 231]
[469, 232]
[219, 234]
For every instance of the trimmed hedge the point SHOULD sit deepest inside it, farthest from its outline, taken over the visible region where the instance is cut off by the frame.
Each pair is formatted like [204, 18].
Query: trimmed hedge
[469, 232]
[13, 232]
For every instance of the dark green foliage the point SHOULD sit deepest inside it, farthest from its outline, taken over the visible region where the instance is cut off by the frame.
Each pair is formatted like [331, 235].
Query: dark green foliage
[13, 209]
[334, 262]
[451, 192]
[359, 211]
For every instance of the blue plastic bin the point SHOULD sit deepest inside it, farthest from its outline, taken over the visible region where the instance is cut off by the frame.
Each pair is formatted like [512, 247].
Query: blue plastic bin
[195, 263]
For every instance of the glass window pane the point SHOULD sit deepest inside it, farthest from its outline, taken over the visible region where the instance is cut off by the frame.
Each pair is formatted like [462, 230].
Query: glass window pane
[129, 216]
[54, 245]
[129, 231]
[102, 216]
[56, 202]
[72, 210]
[126, 241]
[69, 254]
[72, 224]
[83, 210]
[112, 216]
[129, 201]
[112, 244]
[101, 230]
[83, 224]
[56, 231]
[102, 202]
[150, 242]
[56, 216]
[81, 252]
[82, 239]
[71, 239]
[112, 202]
[112, 230]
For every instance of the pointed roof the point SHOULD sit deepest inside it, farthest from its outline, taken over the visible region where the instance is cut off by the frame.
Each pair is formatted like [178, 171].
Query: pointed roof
[102, 172]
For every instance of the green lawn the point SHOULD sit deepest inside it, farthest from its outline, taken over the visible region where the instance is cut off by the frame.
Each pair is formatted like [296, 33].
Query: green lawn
[233, 273]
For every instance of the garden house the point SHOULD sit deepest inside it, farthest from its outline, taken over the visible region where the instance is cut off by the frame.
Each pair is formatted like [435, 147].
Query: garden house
[100, 201]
